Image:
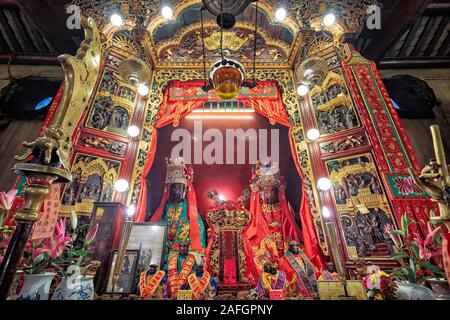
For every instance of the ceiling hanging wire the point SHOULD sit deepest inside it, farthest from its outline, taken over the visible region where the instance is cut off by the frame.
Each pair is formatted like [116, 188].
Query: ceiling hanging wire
[221, 28]
[254, 44]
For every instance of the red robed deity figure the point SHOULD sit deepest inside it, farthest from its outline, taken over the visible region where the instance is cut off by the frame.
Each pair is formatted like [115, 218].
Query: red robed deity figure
[270, 212]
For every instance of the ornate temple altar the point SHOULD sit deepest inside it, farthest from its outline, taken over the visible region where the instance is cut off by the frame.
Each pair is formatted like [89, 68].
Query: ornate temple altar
[361, 145]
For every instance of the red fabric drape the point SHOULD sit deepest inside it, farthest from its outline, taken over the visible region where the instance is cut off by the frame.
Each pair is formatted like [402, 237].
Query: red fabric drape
[271, 107]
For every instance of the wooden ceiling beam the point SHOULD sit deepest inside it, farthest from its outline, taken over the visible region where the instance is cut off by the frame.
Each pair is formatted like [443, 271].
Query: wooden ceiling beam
[50, 24]
[414, 63]
[395, 22]
[30, 59]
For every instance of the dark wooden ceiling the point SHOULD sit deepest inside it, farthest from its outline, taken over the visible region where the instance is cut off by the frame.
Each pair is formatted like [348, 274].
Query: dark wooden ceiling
[414, 33]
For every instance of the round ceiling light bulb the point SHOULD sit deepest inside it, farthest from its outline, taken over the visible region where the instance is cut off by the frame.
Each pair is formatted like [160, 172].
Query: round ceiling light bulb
[324, 184]
[131, 210]
[313, 134]
[302, 90]
[143, 90]
[121, 185]
[167, 12]
[326, 213]
[133, 131]
[280, 14]
[116, 20]
[221, 197]
[329, 20]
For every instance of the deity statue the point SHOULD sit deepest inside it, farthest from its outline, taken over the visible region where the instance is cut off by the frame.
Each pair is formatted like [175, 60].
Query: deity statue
[178, 208]
[181, 265]
[300, 272]
[272, 281]
[329, 274]
[271, 214]
[152, 283]
[202, 284]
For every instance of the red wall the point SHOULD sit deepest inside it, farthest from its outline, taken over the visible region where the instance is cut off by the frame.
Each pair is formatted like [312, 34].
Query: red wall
[229, 180]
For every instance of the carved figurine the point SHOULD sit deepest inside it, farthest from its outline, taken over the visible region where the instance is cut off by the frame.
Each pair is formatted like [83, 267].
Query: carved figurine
[52, 149]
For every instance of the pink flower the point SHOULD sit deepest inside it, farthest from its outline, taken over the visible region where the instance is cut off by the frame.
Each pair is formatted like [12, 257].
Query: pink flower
[5, 242]
[388, 228]
[7, 198]
[407, 186]
[56, 244]
[424, 245]
[91, 234]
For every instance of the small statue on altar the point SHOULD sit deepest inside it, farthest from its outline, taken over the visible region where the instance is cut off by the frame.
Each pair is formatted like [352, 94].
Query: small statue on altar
[300, 271]
[181, 265]
[178, 208]
[152, 283]
[271, 213]
[202, 284]
[272, 283]
[329, 274]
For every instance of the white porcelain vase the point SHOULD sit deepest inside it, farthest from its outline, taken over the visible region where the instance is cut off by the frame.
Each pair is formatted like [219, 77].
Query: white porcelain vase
[413, 291]
[79, 288]
[36, 286]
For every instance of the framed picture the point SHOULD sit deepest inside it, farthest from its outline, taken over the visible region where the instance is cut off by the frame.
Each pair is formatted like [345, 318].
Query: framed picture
[149, 238]
[127, 279]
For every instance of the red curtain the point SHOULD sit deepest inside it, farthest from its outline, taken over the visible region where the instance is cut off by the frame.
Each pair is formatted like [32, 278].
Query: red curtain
[183, 97]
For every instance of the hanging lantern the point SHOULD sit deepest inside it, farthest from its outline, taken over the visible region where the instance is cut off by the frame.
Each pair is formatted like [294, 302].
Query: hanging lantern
[226, 77]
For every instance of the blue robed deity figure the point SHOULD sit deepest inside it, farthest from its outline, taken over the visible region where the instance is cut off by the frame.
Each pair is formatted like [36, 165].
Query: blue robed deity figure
[178, 208]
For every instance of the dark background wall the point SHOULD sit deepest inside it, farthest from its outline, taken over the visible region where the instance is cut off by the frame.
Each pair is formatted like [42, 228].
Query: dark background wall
[229, 180]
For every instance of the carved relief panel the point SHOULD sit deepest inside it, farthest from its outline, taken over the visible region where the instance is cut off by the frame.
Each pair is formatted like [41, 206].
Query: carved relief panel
[333, 106]
[93, 181]
[362, 206]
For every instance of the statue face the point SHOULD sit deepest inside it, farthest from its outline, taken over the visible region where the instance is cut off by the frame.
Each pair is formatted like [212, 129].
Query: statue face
[152, 269]
[177, 192]
[271, 268]
[200, 269]
[269, 195]
[294, 248]
[330, 267]
[184, 249]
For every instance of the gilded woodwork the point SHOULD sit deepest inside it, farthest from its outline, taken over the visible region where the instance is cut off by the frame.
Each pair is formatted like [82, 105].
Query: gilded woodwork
[81, 73]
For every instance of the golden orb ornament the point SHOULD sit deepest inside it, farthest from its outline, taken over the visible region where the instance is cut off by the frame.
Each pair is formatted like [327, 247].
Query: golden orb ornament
[226, 77]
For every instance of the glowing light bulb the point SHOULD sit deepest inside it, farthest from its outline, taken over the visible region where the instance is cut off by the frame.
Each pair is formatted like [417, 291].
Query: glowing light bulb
[131, 210]
[280, 14]
[116, 20]
[313, 134]
[121, 185]
[329, 20]
[221, 197]
[143, 89]
[133, 131]
[302, 90]
[324, 184]
[167, 12]
[326, 213]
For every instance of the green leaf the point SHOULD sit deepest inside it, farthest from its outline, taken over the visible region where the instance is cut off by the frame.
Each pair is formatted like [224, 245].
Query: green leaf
[430, 266]
[412, 271]
[399, 232]
[415, 249]
[405, 223]
[38, 259]
[398, 256]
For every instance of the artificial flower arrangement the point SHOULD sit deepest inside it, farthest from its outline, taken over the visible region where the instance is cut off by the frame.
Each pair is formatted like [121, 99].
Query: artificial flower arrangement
[6, 202]
[380, 286]
[59, 251]
[414, 253]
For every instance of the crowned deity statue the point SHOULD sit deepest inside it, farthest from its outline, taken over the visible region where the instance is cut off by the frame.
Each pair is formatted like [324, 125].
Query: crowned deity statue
[202, 284]
[178, 208]
[300, 272]
[329, 273]
[270, 212]
[181, 264]
[152, 283]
